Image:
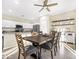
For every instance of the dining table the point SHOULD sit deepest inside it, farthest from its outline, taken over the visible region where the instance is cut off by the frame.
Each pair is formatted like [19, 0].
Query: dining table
[38, 41]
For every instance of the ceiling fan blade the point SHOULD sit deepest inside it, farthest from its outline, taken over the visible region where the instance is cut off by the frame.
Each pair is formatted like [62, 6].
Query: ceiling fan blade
[49, 5]
[41, 9]
[45, 2]
[37, 5]
[47, 9]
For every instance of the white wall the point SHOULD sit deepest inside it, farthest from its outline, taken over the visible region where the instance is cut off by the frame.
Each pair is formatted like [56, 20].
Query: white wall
[44, 24]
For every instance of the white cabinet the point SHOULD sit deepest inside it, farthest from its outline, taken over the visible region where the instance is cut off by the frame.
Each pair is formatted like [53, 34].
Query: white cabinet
[70, 37]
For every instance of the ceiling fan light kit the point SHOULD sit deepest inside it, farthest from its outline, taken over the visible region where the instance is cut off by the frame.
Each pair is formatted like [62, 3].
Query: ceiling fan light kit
[45, 5]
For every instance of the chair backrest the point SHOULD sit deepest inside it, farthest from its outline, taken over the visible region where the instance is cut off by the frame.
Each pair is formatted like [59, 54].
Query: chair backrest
[52, 34]
[57, 37]
[20, 42]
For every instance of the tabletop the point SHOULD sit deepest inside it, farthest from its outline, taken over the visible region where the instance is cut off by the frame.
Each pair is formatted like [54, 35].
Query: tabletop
[38, 39]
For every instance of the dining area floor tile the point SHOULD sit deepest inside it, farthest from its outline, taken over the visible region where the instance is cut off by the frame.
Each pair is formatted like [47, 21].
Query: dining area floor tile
[62, 53]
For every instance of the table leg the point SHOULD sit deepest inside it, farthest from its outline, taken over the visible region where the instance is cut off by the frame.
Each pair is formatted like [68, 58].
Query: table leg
[39, 52]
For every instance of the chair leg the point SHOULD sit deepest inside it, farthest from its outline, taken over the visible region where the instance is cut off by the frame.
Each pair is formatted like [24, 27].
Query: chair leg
[37, 55]
[58, 44]
[55, 51]
[40, 52]
[19, 55]
[56, 48]
[51, 54]
[24, 56]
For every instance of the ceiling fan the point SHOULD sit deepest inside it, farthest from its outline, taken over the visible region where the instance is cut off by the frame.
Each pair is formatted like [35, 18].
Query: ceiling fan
[45, 4]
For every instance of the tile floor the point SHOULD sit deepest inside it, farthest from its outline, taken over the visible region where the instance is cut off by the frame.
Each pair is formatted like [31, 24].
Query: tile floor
[62, 53]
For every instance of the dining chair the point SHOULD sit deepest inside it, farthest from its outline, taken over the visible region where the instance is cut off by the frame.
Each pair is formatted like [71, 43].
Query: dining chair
[49, 45]
[56, 42]
[24, 50]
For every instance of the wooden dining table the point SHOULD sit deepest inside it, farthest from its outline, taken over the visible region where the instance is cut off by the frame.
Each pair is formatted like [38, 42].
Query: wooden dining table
[38, 40]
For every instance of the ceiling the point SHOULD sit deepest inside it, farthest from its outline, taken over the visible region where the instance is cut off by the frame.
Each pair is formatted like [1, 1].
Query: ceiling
[27, 10]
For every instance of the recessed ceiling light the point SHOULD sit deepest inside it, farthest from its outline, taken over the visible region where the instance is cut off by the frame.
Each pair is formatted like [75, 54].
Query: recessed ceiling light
[10, 10]
[16, 2]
